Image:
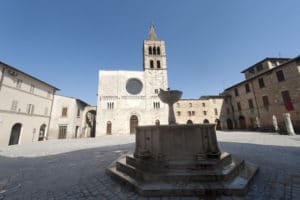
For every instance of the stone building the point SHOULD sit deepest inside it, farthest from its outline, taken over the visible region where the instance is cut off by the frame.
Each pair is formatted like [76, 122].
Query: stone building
[206, 109]
[71, 118]
[270, 89]
[25, 106]
[130, 98]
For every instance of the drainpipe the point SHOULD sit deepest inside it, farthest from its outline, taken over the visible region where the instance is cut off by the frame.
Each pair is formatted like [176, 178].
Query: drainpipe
[255, 99]
[2, 77]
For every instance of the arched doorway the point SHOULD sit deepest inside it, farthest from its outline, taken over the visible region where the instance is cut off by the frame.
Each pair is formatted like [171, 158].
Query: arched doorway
[242, 122]
[134, 122]
[218, 124]
[90, 119]
[205, 121]
[229, 124]
[42, 132]
[15, 134]
[108, 128]
[189, 122]
[157, 122]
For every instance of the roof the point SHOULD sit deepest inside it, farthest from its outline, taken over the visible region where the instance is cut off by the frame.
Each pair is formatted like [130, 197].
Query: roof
[152, 35]
[211, 97]
[15, 69]
[73, 98]
[267, 58]
[265, 72]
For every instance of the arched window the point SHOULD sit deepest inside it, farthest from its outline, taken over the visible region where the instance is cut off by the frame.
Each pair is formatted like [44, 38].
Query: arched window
[158, 64]
[154, 50]
[205, 121]
[150, 50]
[108, 128]
[151, 64]
[158, 51]
[42, 132]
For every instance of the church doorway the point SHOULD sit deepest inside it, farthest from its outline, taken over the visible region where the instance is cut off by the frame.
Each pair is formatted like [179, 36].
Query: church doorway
[15, 134]
[242, 122]
[218, 124]
[229, 124]
[134, 122]
[205, 121]
[42, 132]
[108, 128]
[189, 122]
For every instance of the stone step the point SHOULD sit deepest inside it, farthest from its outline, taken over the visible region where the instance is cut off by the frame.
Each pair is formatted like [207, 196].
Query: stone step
[238, 185]
[210, 175]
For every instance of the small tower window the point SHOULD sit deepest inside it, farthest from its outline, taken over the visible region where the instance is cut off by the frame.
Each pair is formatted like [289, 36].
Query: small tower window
[151, 64]
[158, 64]
[158, 51]
[150, 50]
[154, 50]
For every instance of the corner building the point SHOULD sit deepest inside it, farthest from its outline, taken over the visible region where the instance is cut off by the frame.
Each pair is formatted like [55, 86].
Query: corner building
[127, 99]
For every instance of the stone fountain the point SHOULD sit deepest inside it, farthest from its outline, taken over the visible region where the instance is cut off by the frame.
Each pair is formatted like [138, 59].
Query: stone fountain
[181, 160]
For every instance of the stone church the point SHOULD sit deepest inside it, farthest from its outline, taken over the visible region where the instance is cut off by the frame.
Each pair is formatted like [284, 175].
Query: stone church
[127, 99]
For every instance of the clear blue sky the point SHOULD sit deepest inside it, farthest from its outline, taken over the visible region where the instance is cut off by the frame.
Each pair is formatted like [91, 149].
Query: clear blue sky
[208, 43]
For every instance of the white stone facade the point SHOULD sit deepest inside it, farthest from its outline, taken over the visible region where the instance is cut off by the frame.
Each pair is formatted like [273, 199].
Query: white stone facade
[25, 106]
[67, 118]
[130, 98]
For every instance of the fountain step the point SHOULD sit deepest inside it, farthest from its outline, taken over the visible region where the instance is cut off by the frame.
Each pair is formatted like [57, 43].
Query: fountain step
[213, 174]
[149, 165]
[237, 185]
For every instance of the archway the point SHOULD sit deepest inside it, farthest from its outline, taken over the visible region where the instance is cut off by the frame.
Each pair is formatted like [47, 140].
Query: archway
[229, 124]
[157, 122]
[205, 121]
[108, 128]
[218, 124]
[242, 122]
[90, 119]
[134, 122]
[189, 122]
[42, 132]
[15, 134]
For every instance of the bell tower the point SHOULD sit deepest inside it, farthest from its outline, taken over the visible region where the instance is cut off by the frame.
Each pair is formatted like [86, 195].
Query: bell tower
[155, 64]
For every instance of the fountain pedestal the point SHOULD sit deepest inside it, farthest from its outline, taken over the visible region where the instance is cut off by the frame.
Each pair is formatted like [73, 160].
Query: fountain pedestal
[181, 160]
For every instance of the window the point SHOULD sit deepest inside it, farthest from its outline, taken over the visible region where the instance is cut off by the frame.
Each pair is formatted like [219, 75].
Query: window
[46, 111]
[259, 67]
[287, 100]
[156, 105]
[156, 91]
[64, 112]
[78, 112]
[19, 83]
[189, 113]
[14, 105]
[273, 64]
[62, 134]
[280, 76]
[204, 112]
[178, 113]
[216, 111]
[110, 105]
[238, 106]
[151, 64]
[32, 88]
[158, 64]
[203, 104]
[236, 92]
[193, 113]
[265, 101]
[154, 50]
[158, 51]
[30, 109]
[250, 103]
[150, 50]
[261, 82]
[190, 105]
[251, 71]
[247, 87]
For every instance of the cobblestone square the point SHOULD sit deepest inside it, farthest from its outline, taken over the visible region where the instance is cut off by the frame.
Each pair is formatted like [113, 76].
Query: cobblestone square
[75, 168]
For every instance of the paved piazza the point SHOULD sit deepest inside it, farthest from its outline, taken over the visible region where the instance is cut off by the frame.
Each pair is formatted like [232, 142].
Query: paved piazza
[75, 168]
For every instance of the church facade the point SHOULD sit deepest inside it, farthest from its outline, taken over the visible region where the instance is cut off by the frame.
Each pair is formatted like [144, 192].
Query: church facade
[127, 99]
